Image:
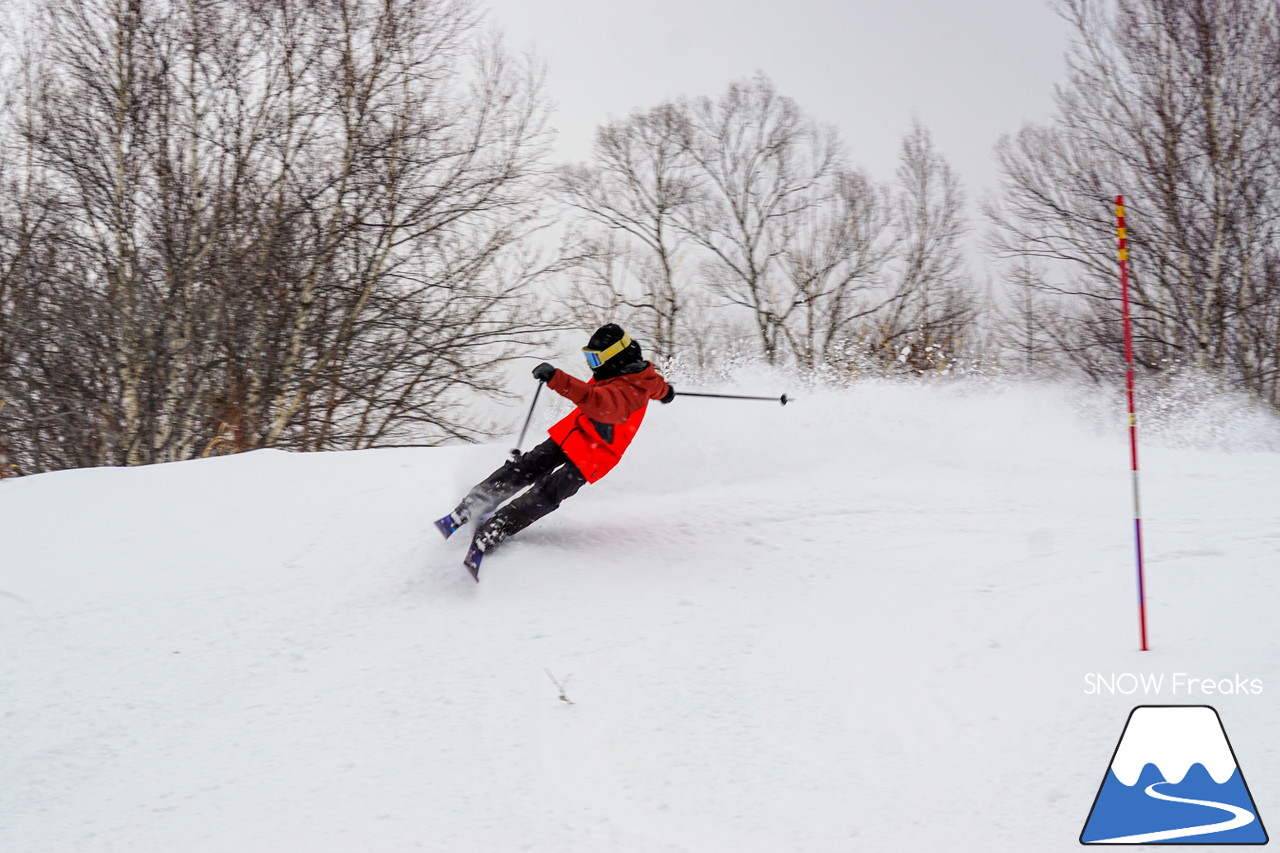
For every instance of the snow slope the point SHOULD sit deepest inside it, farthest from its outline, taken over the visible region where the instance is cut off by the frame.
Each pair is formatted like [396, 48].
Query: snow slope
[864, 621]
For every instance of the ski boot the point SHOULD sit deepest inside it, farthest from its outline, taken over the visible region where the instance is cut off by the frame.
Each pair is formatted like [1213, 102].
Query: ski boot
[489, 535]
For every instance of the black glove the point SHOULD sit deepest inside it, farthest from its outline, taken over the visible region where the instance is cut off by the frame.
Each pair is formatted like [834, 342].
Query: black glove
[543, 372]
[671, 395]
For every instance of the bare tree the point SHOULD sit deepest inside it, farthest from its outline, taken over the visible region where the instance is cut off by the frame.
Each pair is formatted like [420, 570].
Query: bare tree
[933, 307]
[834, 257]
[262, 224]
[639, 180]
[1030, 338]
[762, 164]
[1171, 103]
[753, 196]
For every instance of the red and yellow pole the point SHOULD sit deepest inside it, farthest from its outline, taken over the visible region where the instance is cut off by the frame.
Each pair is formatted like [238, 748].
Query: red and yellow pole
[1133, 417]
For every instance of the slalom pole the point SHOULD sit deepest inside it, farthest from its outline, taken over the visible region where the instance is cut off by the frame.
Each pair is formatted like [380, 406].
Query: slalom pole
[515, 451]
[1133, 417]
[784, 399]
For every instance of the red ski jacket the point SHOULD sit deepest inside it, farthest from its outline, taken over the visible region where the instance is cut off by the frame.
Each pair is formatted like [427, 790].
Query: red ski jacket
[596, 434]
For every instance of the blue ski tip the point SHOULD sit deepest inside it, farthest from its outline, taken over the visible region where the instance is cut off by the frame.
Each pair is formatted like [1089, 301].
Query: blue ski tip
[472, 562]
[446, 526]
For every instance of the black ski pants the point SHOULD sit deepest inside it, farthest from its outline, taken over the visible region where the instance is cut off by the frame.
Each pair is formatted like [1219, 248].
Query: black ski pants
[545, 469]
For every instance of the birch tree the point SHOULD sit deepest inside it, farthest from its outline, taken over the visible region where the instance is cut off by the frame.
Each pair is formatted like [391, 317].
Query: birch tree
[1171, 103]
[638, 183]
[251, 224]
[762, 164]
[834, 257]
[933, 307]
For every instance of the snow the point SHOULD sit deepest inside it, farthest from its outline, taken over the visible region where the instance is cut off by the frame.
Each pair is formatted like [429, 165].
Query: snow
[863, 621]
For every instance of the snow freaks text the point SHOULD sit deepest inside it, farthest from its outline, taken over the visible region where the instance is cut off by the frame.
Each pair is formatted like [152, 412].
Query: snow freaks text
[1168, 684]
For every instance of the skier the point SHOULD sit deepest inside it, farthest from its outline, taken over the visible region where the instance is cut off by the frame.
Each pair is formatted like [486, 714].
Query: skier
[583, 446]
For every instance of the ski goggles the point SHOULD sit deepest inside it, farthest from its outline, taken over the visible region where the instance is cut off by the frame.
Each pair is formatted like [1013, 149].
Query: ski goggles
[597, 357]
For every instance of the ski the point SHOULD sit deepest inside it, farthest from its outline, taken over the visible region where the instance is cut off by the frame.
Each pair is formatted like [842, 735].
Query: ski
[472, 561]
[475, 553]
[448, 525]
[451, 524]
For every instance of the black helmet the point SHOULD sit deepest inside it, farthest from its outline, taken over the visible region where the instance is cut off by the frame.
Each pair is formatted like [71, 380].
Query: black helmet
[610, 351]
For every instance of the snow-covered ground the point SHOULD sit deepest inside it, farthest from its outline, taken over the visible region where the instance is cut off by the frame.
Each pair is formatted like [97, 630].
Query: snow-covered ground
[871, 620]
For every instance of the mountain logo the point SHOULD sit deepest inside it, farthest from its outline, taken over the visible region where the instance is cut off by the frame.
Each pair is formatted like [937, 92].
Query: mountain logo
[1173, 779]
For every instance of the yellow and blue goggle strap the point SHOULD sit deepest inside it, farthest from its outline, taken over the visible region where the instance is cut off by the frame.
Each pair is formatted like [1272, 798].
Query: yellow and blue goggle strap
[597, 357]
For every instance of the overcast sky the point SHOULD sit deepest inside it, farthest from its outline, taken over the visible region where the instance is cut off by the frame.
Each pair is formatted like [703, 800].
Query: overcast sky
[970, 70]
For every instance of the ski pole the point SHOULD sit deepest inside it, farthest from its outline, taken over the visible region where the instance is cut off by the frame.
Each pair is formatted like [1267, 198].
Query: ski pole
[515, 451]
[783, 399]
